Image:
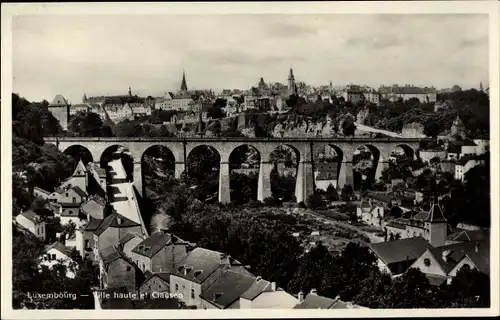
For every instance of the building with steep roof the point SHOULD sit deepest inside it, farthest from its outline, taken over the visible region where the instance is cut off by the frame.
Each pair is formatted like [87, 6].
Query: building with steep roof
[198, 271]
[226, 290]
[59, 107]
[370, 213]
[57, 253]
[263, 294]
[112, 229]
[32, 222]
[395, 257]
[117, 270]
[441, 264]
[430, 225]
[160, 252]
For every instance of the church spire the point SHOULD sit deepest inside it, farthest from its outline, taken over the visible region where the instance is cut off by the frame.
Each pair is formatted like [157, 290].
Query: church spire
[292, 88]
[84, 99]
[183, 84]
[481, 86]
[129, 91]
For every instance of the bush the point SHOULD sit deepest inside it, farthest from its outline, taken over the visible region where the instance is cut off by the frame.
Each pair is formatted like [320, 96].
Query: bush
[271, 202]
[301, 205]
[315, 201]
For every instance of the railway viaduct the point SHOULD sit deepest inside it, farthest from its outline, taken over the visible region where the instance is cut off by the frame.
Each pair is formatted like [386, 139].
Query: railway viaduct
[381, 148]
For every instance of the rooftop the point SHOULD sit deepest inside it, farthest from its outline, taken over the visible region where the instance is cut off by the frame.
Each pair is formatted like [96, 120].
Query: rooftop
[313, 301]
[59, 247]
[227, 288]
[151, 245]
[199, 264]
[115, 220]
[400, 250]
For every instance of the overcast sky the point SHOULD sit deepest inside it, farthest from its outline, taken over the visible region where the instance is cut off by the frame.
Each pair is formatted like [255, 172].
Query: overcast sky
[107, 54]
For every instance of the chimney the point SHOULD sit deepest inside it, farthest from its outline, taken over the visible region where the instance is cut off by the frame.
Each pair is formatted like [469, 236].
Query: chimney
[476, 246]
[313, 291]
[273, 286]
[300, 296]
[445, 255]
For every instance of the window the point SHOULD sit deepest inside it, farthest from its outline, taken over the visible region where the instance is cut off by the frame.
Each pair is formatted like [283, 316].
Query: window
[53, 256]
[192, 293]
[176, 287]
[74, 199]
[128, 268]
[466, 266]
[87, 243]
[427, 262]
[67, 194]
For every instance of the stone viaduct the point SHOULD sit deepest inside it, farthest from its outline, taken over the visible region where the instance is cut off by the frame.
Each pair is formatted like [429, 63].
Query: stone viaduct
[181, 147]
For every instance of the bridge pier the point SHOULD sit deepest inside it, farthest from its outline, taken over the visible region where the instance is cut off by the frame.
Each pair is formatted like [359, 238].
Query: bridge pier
[381, 165]
[180, 167]
[224, 188]
[345, 175]
[304, 185]
[264, 183]
[138, 177]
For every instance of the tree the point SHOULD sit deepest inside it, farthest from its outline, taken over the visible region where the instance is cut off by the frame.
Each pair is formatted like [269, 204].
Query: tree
[315, 201]
[348, 127]
[347, 192]
[215, 111]
[87, 124]
[331, 193]
[432, 128]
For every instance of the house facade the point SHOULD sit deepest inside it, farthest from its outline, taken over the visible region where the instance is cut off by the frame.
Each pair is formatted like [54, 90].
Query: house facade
[32, 222]
[57, 253]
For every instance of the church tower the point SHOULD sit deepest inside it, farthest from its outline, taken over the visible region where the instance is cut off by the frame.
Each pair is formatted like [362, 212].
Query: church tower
[84, 99]
[292, 88]
[436, 226]
[458, 127]
[481, 86]
[130, 91]
[184, 84]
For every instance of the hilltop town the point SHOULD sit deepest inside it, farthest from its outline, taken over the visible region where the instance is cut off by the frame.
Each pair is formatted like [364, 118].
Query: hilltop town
[411, 225]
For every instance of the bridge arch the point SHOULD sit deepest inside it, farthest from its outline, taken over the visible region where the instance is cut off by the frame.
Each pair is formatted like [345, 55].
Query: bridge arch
[378, 163]
[328, 164]
[408, 150]
[77, 152]
[115, 152]
[203, 167]
[244, 167]
[160, 155]
[281, 169]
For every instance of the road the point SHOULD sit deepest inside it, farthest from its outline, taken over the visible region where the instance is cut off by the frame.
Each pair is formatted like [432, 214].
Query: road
[373, 238]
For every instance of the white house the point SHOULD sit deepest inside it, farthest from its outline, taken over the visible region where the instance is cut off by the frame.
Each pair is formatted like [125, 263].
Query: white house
[370, 213]
[263, 294]
[463, 166]
[32, 222]
[57, 253]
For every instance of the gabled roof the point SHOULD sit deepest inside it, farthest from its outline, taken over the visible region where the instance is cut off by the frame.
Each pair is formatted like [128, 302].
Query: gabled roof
[259, 286]
[112, 221]
[481, 259]
[111, 253]
[202, 261]
[470, 235]
[31, 216]
[93, 224]
[165, 276]
[454, 252]
[58, 101]
[80, 167]
[59, 247]
[313, 301]
[126, 238]
[435, 280]
[227, 288]
[41, 190]
[79, 191]
[152, 244]
[400, 250]
[435, 214]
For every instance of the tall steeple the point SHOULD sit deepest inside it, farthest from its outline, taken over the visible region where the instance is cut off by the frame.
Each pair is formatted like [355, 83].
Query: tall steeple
[481, 86]
[183, 84]
[292, 88]
[129, 91]
[84, 99]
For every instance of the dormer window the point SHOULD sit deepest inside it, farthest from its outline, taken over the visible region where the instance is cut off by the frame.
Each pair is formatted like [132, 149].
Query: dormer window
[187, 270]
[179, 269]
[217, 296]
[197, 273]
